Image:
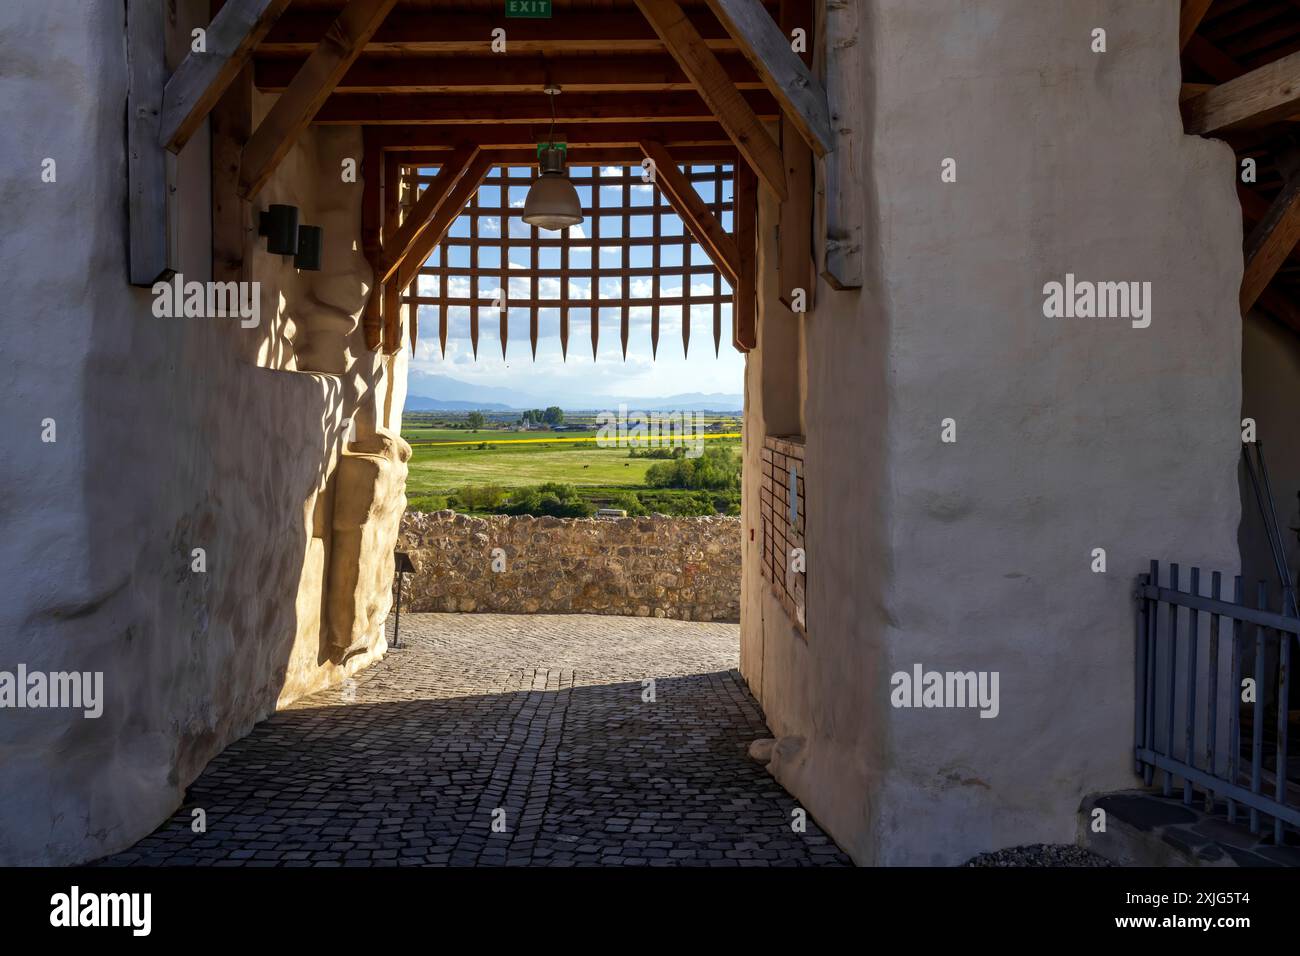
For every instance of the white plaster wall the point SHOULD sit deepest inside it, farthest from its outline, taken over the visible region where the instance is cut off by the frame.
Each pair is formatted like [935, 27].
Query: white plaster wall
[168, 439]
[1072, 434]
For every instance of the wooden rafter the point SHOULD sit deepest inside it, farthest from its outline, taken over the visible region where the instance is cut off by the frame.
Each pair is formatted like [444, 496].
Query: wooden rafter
[299, 103]
[1270, 242]
[1189, 18]
[422, 214]
[687, 203]
[786, 76]
[431, 235]
[1262, 96]
[201, 79]
[718, 92]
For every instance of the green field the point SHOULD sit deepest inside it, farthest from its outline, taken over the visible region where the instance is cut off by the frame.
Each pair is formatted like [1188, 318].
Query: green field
[414, 432]
[439, 470]
[445, 460]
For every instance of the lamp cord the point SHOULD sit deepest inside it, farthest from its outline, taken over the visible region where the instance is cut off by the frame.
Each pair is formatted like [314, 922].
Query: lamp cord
[550, 135]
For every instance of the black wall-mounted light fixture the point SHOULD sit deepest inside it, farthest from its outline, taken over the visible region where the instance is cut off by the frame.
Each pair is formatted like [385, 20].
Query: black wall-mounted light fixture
[279, 223]
[310, 241]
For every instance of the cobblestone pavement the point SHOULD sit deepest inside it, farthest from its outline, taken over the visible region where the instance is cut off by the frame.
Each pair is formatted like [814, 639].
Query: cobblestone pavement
[541, 717]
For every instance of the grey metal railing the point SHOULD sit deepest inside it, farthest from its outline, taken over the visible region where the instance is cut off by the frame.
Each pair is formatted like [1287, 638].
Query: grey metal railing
[1220, 694]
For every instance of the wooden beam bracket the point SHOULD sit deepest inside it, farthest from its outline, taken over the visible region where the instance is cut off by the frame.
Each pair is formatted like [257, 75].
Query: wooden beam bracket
[203, 77]
[783, 73]
[151, 170]
[697, 216]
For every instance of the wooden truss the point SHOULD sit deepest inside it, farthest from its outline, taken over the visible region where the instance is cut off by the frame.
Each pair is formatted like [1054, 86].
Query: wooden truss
[684, 83]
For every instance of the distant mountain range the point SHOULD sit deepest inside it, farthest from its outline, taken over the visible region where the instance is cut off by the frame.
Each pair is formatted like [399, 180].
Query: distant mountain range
[427, 392]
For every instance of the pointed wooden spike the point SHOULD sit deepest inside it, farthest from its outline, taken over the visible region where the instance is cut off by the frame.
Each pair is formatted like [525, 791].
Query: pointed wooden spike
[717, 332]
[564, 336]
[442, 330]
[504, 325]
[415, 327]
[654, 335]
[595, 331]
[622, 332]
[473, 330]
[532, 332]
[686, 330]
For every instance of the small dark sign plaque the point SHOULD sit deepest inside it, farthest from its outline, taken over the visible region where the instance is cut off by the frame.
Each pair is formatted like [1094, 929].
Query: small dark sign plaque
[536, 9]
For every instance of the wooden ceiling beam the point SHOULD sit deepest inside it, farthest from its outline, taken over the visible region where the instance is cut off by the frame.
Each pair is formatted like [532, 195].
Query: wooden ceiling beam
[421, 215]
[575, 109]
[727, 103]
[1270, 242]
[579, 156]
[409, 31]
[202, 78]
[646, 72]
[697, 216]
[1262, 96]
[522, 136]
[308, 91]
[786, 76]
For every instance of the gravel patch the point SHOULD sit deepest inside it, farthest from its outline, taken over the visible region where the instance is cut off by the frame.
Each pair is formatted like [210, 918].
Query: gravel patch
[1040, 854]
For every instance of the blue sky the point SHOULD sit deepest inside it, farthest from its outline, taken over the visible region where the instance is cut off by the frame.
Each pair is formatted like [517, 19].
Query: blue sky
[669, 374]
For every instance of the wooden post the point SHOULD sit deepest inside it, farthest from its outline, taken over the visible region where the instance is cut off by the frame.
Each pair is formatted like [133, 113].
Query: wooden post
[232, 217]
[845, 198]
[151, 170]
[795, 266]
[745, 305]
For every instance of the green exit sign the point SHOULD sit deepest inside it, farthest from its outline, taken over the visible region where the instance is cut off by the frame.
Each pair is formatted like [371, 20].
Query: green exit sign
[538, 9]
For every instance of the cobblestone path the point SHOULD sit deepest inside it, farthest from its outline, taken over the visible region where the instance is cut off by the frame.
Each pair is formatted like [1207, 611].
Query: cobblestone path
[535, 722]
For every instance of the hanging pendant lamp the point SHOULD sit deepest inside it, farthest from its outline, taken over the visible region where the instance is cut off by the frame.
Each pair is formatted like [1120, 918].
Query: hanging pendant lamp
[552, 202]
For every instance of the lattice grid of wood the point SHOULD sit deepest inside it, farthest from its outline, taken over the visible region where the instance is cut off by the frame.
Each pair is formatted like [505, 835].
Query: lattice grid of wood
[782, 474]
[631, 261]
